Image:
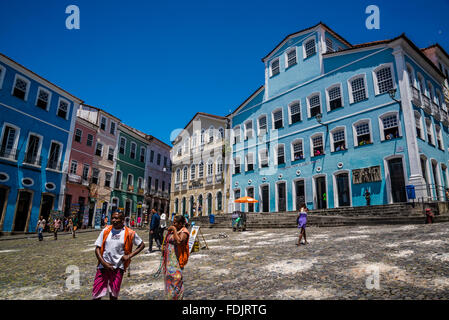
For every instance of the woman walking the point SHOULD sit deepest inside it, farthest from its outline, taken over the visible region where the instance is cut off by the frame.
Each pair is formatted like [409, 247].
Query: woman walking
[175, 254]
[302, 222]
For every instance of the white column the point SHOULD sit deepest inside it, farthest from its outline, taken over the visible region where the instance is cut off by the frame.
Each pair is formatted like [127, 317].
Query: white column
[415, 177]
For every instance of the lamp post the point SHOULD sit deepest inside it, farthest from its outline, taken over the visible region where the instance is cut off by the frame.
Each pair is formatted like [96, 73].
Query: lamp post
[392, 93]
[318, 118]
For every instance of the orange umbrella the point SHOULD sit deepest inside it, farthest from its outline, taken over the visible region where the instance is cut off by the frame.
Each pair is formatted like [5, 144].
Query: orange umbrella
[246, 200]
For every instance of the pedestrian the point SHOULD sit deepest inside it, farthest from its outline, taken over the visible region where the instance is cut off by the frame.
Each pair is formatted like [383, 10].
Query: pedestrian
[132, 223]
[75, 225]
[72, 226]
[162, 227]
[40, 228]
[429, 216]
[175, 256]
[139, 220]
[302, 222]
[154, 231]
[368, 197]
[114, 252]
[57, 225]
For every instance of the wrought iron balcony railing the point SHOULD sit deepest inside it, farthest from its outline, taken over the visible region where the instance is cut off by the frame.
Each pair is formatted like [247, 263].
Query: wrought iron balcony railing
[10, 154]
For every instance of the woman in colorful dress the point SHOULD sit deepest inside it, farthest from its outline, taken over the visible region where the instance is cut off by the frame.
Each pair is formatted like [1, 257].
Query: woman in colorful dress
[175, 254]
[302, 222]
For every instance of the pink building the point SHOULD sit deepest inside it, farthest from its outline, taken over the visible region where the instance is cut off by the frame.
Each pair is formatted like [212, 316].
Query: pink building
[81, 175]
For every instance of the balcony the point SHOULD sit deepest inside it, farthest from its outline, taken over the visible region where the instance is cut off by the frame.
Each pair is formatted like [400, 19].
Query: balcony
[436, 111]
[426, 105]
[140, 191]
[184, 186]
[177, 186]
[416, 99]
[218, 178]
[73, 178]
[130, 188]
[54, 165]
[209, 180]
[32, 160]
[10, 154]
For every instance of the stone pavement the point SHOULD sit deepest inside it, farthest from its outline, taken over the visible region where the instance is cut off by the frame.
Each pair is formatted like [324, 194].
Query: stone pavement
[266, 264]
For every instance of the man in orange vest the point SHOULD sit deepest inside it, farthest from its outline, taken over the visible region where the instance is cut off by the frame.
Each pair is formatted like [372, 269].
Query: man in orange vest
[114, 253]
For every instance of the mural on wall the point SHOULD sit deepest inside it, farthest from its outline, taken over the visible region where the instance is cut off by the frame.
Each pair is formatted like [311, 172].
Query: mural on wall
[366, 175]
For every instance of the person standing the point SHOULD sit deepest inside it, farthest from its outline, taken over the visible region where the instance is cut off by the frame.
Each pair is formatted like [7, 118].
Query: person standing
[302, 222]
[154, 230]
[162, 227]
[368, 197]
[429, 216]
[114, 252]
[57, 225]
[40, 228]
[175, 256]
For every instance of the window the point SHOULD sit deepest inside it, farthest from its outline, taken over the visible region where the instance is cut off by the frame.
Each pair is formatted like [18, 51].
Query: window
[165, 162]
[429, 131]
[158, 159]
[43, 99]
[291, 57]
[211, 134]
[63, 109]
[78, 135]
[99, 149]
[363, 134]
[139, 183]
[248, 130]
[263, 158]
[178, 175]
[411, 76]
[310, 48]
[192, 171]
[210, 168]
[430, 88]
[20, 88]
[421, 84]
[219, 166]
[2, 75]
[151, 156]
[200, 169]
[275, 67]
[103, 123]
[112, 129]
[236, 134]
[383, 79]
[219, 201]
[262, 125]
[250, 162]
[418, 125]
[357, 89]
[9, 141]
[53, 157]
[298, 153]
[132, 152]
[339, 141]
[221, 132]
[314, 105]
[334, 96]
[202, 137]
[111, 154]
[73, 167]
[90, 140]
[163, 185]
[118, 180]
[122, 146]
[295, 112]
[156, 184]
[142, 154]
[95, 175]
[107, 180]
[317, 145]
[236, 165]
[184, 174]
[149, 182]
[33, 150]
[329, 45]
[130, 182]
[390, 127]
[280, 154]
[439, 137]
[277, 119]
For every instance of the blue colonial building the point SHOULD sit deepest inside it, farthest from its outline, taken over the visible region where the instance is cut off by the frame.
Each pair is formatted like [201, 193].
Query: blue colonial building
[36, 124]
[334, 120]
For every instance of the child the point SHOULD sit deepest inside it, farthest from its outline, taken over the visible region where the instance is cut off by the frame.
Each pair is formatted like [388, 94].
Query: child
[114, 253]
[302, 221]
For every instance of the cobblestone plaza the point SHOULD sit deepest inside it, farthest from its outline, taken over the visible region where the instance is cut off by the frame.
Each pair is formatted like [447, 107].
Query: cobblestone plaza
[411, 261]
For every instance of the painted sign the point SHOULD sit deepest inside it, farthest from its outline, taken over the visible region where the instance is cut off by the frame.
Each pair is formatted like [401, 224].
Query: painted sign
[192, 238]
[366, 175]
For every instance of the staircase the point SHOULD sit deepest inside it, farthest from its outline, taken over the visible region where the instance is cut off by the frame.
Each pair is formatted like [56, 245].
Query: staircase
[401, 213]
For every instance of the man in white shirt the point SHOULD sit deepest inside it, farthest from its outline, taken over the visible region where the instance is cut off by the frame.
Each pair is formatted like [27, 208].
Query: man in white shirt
[114, 253]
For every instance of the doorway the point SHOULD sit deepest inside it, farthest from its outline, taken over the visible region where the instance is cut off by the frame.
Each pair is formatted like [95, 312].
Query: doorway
[209, 204]
[250, 193]
[265, 198]
[397, 180]
[91, 213]
[127, 208]
[320, 192]
[46, 206]
[282, 201]
[67, 205]
[4, 193]
[343, 190]
[300, 194]
[192, 206]
[24, 202]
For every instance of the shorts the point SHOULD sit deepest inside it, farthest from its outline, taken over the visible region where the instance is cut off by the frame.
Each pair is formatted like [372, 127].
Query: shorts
[107, 281]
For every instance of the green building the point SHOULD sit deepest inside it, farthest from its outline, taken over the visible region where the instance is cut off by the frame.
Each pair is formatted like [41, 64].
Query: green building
[128, 193]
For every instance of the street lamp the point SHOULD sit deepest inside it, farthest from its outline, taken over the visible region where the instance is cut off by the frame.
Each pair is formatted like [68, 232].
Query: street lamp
[392, 93]
[319, 118]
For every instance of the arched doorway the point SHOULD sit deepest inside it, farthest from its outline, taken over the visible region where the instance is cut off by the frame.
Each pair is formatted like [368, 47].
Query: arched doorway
[209, 204]
[192, 206]
[200, 205]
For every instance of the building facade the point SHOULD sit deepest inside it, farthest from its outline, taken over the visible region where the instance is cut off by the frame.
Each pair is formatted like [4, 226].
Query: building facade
[334, 120]
[78, 191]
[158, 176]
[129, 184]
[200, 182]
[37, 119]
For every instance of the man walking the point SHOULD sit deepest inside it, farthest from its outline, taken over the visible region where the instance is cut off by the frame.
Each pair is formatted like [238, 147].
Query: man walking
[40, 228]
[154, 230]
[57, 225]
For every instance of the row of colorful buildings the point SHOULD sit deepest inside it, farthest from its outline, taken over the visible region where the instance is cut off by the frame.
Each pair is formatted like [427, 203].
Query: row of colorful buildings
[332, 122]
[61, 156]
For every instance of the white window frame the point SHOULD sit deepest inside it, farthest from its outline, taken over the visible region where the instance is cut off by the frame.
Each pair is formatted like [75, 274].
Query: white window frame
[221, 133]
[276, 149]
[421, 81]
[258, 124]
[312, 154]
[238, 129]
[96, 146]
[39, 150]
[381, 124]
[178, 175]
[87, 140]
[105, 123]
[124, 146]
[209, 168]
[75, 135]
[246, 130]
[2, 75]
[71, 166]
[234, 164]
[429, 128]
[304, 47]
[210, 134]
[185, 177]
[218, 165]
[131, 150]
[201, 165]
[127, 181]
[139, 183]
[265, 151]
[351, 96]
[39, 88]
[328, 101]
[332, 137]
[59, 155]
[16, 137]
[85, 166]
[308, 103]
[247, 162]
[115, 127]
[271, 67]
[143, 152]
[68, 107]
[286, 57]
[376, 81]
[439, 136]
[354, 130]
[335, 187]
[193, 172]
[290, 111]
[292, 149]
[412, 75]
[14, 86]
[417, 113]
[282, 118]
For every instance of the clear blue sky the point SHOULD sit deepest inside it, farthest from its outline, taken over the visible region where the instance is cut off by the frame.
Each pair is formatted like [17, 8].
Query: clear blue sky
[154, 64]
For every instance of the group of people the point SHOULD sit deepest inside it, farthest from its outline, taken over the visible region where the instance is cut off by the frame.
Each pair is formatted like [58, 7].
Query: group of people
[114, 251]
[69, 224]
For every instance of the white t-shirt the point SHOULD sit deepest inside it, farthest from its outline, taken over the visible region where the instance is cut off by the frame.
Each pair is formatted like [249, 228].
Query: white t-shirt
[115, 247]
[163, 221]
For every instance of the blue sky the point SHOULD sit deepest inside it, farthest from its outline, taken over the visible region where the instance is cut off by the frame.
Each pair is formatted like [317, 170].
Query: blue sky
[155, 64]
